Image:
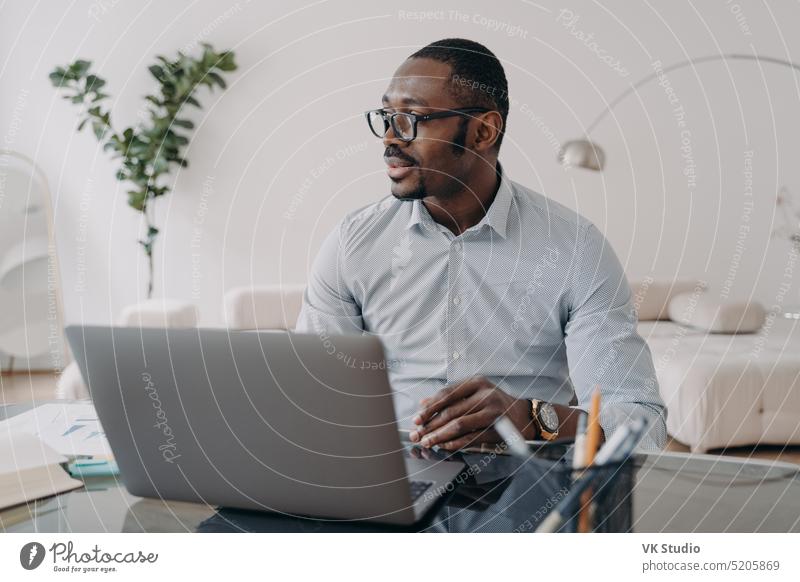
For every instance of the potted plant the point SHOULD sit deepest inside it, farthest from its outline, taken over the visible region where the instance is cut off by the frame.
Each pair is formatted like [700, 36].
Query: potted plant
[148, 152]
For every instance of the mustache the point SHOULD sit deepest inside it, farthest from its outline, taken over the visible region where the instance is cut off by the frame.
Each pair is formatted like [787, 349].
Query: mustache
[393, 151]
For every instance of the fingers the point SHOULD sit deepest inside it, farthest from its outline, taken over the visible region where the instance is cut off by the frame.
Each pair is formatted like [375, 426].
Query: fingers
[458, 427]
[448, 395]
[463, 407]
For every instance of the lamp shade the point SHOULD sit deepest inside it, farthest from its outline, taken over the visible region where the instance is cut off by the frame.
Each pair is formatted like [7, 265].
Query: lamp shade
[581, 153]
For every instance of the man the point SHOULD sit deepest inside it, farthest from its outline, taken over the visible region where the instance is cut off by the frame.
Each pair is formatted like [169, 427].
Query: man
[489, 298]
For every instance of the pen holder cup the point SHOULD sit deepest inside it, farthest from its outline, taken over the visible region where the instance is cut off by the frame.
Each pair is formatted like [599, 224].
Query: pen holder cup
[611, 507]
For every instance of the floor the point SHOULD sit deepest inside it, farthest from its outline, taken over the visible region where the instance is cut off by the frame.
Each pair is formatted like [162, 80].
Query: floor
[41, 387]
[27, 387]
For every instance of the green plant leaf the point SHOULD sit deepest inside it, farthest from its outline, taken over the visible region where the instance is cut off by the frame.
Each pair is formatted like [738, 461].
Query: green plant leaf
[94, 83]
[182, 162]
[80, 67]
[137, 199]
[157, 72]
[160, 165]
[99, 129]
[58, 77]
[226, 62]
[217, 79]
[183, 123]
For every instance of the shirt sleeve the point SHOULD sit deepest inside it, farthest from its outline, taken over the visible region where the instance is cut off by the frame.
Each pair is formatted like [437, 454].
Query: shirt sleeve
[328, 305]
[604, 347]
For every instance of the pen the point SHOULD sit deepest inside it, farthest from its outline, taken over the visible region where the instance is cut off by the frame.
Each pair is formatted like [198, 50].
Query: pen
[579, 447]
[622, 442]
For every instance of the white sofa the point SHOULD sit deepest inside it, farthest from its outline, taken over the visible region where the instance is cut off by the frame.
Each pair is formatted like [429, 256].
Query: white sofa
[721, 390]
[724, 390]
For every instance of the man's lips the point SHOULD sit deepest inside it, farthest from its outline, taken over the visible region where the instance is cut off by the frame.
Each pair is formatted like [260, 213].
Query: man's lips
[398, 168]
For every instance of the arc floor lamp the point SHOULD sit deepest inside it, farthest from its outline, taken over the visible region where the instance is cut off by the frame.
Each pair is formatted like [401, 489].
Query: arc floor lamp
[584, 153]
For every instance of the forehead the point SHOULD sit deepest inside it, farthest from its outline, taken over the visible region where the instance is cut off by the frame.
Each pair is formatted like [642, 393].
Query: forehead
[423, 82]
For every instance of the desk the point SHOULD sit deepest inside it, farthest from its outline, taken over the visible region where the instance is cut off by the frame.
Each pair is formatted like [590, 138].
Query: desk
[672, 492]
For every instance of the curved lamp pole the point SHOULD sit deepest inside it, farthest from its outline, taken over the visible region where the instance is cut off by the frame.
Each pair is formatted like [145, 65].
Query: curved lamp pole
[583, 153]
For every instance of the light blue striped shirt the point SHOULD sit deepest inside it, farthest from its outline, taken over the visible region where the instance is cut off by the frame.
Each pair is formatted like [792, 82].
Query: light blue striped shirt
[532, 297]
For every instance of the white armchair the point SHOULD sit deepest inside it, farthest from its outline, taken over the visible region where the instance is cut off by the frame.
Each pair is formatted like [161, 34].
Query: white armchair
[263, 307]
[151, 313]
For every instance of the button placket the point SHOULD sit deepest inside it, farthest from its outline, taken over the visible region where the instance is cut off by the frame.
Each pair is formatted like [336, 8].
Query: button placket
[454, 354]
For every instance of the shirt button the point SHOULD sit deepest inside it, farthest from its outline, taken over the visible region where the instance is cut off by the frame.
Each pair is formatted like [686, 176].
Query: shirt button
[456, 355]
[456, 300]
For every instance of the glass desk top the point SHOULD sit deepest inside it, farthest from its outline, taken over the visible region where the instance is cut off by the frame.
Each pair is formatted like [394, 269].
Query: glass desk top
[670, 492]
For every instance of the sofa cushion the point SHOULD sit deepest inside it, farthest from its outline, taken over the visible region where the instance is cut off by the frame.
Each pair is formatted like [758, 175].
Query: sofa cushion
[651, 298]
[710, 313]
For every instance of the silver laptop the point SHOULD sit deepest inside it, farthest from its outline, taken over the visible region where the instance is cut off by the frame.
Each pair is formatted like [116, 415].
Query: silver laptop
[277, 421]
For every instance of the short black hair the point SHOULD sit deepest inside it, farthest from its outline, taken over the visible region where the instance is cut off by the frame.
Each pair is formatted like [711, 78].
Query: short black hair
[477, 77]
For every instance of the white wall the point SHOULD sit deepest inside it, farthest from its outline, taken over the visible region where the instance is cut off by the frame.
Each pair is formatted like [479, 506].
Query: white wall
[306, 74]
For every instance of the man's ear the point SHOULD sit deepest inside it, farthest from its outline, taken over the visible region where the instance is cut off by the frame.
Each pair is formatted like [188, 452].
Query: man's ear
[488, 130]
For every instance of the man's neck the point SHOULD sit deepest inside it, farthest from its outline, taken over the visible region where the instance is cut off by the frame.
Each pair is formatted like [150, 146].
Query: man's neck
[465, 208]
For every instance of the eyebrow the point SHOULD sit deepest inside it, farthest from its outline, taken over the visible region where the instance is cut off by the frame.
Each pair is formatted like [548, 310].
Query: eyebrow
[407, 101]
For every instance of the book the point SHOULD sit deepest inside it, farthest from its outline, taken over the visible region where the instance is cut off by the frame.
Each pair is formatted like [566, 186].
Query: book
[30, 470]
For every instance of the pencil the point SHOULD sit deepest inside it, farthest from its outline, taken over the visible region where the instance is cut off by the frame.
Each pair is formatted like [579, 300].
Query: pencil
[592, 430]
[590, 450]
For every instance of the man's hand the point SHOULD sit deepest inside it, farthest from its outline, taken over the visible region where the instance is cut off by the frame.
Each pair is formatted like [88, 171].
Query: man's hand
[463, 414]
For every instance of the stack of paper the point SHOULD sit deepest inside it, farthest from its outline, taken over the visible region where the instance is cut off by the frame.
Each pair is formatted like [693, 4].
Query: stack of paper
[71, 428]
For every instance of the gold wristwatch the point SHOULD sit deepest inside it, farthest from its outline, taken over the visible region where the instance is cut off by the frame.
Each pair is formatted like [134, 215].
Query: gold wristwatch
[545, 419]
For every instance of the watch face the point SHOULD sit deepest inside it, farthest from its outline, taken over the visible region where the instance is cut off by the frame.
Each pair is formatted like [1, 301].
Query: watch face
[548, 417]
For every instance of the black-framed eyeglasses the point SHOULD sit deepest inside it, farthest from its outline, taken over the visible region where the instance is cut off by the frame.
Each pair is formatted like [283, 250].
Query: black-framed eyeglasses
[404, 125]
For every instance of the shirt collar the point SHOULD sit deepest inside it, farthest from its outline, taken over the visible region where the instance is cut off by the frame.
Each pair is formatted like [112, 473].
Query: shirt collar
[496, 217]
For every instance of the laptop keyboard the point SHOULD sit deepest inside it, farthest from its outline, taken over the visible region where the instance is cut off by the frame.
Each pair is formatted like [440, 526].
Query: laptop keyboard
[418, 488]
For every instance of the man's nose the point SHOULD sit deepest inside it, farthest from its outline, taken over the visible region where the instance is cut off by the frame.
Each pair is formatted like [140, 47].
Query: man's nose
[390, 138]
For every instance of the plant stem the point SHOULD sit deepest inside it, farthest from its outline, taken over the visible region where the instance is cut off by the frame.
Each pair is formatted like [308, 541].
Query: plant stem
[149, 250]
